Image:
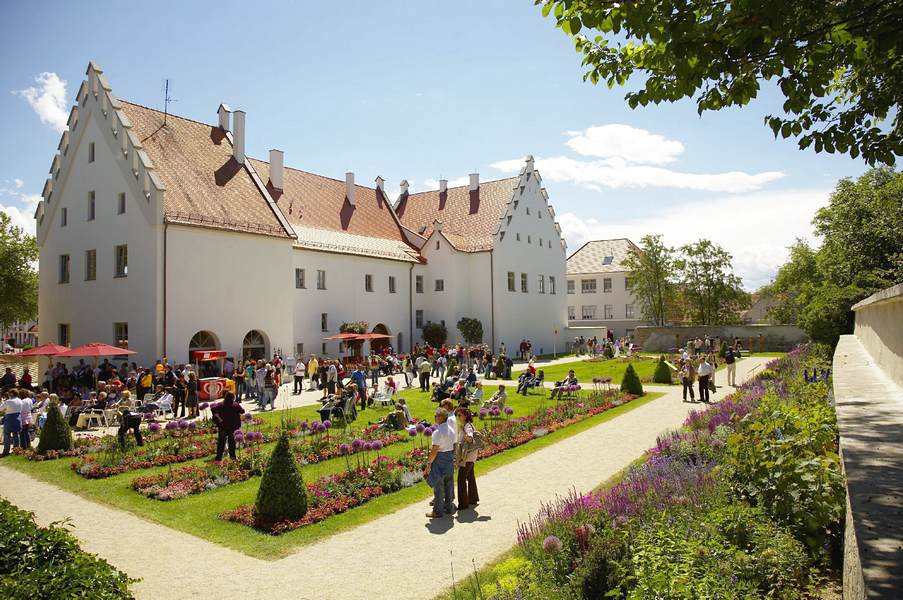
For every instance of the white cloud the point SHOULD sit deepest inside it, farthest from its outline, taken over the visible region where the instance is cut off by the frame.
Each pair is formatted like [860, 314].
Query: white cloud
[48, 100]
[623, 141]
[433, 184]
[18, 183]
[617, 172]
[755, 228]
[20, 218]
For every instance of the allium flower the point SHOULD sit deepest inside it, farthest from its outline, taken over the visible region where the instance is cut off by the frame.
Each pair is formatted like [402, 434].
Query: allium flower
[420, 427]
[368, 446]
[509, 411]
[356, 445]
[412, 432]
[483, 413]
[304, 425]
[327, 424]
[239, 436]
[377, 445]
[315, 426]
[247, 417]
[172, 425]
[551, 544]
[344, 449]
[428, 431]
[192, 425]
[204, 405]
[154, 427]
[182, 424]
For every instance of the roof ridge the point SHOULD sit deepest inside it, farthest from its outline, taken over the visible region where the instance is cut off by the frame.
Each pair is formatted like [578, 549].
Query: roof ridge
[342, 181]
[464, 186]
[169, 114]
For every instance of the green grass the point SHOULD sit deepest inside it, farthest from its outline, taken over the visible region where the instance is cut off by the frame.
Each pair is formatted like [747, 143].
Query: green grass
[197, 514]
[587, 369]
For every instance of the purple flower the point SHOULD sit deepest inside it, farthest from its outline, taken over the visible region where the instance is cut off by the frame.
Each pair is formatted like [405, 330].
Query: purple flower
[368, 446]
[304, 425]
[192, 425]
[154, 427]
[412, 432]
[182, 424]
[204, 405]
[239, 436]
[428, 431]
[551, 544]
[344, 449]
[172, 425]
[247, 417]
[315, 426]
[420, 427]
[483, 413]
[509, 411]
[327, 424]
[377, 445]
[356, 445]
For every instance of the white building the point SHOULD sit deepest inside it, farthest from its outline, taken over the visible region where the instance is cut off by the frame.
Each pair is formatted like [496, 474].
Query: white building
[165, 236]
[598, 288]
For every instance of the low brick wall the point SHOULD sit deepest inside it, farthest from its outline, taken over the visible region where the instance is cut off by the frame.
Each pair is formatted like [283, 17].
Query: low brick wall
[759, 338]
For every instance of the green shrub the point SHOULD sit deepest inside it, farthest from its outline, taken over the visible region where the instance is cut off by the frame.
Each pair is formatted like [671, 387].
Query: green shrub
[662, 372]
[46, 562]
[608, 352]
[602, 568]
[631, 382]
[434, 334]
[722, 351]
[282, 495]
[471, 330]
[56, 434]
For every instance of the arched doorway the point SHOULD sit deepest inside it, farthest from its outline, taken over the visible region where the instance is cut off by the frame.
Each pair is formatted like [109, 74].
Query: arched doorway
[378, 345]
[254, 345]
[202, 340]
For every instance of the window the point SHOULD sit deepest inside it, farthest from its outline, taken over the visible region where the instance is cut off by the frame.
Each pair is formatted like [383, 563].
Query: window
[299, 279]
[550, 243]
[588, 312]
[91, 152]
[121, 334]
[588, 286]
[523, 283]
[440, 285]
[368, 283]
[606, 285]
[391, 284]
[324, 322]
[540, 242]
[122, 261]
[64, 216]
[542, 284]
[572, 313]
[528, 210]
[120, 204]
[529, 239]
[517, 237]
[608, 260]
[608, 311]
[62, 334]
[437, 244]
[321, 280]
[511, 287]
[627, 283]
[91, 206]
[323, 349]
[551, 284]
[64, 268]
[418, 284]
[299, 349]
[418, 319]
[628, 311]
[570, 286]
[90, 265]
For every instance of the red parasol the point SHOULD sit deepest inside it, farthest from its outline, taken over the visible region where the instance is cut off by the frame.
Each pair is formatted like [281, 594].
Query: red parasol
[49, 349]
[94, 349]
[373, 336]
[344, 336]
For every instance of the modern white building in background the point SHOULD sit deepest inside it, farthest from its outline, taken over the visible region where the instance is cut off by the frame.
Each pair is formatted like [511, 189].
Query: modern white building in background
[159, 232]
[598, 289]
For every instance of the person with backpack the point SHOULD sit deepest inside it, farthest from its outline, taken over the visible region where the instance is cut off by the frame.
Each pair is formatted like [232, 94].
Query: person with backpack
[468, 449]
[730, 359]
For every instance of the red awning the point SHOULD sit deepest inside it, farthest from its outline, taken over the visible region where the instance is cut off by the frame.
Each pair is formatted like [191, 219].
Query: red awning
[95, 349]
[49, 349]
[343, 336]
[206, 355]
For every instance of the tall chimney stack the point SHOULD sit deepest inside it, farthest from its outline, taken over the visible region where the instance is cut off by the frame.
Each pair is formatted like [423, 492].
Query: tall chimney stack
[403, 186]
[380, 183]
[277, 170]
[474, 182]
[349, 187]
[238, 136]
[443, 186]
[223, 112]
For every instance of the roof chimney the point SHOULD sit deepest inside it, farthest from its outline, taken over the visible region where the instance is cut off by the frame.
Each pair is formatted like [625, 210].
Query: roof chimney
[529, 163]
[404, 186]
[238, 136]
[276, 168]
[437, 225]
[474, 182]
[223, 112]
[443, 186]
[349, 187]
[380, 183]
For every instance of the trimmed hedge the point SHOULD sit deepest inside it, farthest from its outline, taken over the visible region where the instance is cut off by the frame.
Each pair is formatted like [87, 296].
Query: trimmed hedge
[56, 434]
[282, 495]
[662, 372]
[47, 562]
[631, 382]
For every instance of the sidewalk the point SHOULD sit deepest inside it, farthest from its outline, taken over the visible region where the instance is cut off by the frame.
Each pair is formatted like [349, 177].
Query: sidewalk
[400, 555]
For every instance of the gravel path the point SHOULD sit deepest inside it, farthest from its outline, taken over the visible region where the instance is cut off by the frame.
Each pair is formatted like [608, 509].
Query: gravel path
[400, 555]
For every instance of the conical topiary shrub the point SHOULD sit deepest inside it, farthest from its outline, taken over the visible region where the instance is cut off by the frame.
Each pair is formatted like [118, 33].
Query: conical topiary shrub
[631, 382]
[662, 372]
[56, 434]
[282, 495]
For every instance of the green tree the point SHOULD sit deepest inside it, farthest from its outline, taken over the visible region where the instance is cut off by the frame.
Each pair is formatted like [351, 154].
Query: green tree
[651, 271]
[713, 293]
[799, 272]
[630, 383]
[837, 64]
[435, 334]
[18, 279]
[282, 494]
[471, 330]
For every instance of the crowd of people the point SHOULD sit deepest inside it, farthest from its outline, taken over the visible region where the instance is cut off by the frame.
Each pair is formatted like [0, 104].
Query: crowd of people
[697, 365]
[608, 345]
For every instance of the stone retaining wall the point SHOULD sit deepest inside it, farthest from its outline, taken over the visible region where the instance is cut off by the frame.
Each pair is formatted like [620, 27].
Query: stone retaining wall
[758, 338]
[879, 327]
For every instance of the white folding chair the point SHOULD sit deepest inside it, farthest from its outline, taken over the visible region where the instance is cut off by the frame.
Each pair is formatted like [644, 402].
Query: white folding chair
[164, 405]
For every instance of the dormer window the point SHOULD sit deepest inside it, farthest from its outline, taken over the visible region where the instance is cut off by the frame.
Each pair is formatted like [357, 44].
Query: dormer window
[608, 260]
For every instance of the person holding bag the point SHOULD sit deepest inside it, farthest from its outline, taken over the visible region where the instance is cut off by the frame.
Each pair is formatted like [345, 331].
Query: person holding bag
[468, 448]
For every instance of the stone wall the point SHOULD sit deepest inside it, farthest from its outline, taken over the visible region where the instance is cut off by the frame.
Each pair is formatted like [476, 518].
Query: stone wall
[774, 338]
[879, 327]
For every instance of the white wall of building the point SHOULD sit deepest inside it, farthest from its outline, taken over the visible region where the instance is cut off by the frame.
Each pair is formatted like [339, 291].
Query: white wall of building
[92, 307]
[617, 299]
[346, 299]
[228, 283]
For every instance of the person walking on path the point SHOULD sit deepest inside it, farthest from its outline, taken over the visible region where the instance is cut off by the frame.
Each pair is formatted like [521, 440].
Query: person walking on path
[705, 374]
[468, 449]
[439, 472]
[12, 424]
[687, 378]
[299, 371]
[228, 420]
[425, 376]
[730, 359]
[313, 371]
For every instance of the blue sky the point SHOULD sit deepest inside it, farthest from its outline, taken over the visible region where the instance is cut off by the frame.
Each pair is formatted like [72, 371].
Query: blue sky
[418, 90]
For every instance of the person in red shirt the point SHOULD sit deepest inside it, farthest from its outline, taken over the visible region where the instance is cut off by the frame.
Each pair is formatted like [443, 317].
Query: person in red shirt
[228, 420]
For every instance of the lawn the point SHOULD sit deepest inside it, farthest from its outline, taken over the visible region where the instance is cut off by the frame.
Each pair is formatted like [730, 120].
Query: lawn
[197, 514]
[587, 369]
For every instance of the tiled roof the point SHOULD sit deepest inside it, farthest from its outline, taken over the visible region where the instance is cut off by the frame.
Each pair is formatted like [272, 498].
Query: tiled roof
[205, 186]
[348, 243]
[591, 257]
[469, 219]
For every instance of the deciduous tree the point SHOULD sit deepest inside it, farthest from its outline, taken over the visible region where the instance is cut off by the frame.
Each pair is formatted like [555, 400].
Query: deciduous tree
[714, 294]
[651, 272]
[18, 278]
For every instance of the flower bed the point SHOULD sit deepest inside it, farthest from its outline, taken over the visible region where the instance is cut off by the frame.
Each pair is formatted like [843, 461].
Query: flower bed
[743, 501]
[192, 479]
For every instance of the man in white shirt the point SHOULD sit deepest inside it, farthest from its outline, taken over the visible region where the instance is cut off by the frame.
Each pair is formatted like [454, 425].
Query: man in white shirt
[12, 424]
[299, 371]
[439, 471]
[705, 374]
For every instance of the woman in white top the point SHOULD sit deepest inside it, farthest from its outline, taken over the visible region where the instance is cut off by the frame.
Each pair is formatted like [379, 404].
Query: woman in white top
[467, 456]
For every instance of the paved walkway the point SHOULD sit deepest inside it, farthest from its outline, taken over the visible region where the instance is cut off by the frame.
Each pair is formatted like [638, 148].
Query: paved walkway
[400, 555]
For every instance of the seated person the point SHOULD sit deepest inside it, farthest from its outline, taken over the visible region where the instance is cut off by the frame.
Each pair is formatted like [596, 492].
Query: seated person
[390, 388]
[459, 390]
[571, 379]
[498, 399]
[476, 396]
[442, 390]
[336, 402]
[82, 419]
[397, 419]
[471, 379]
[403, 406]
[77, 406]
[159, 395]
[525, 381]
